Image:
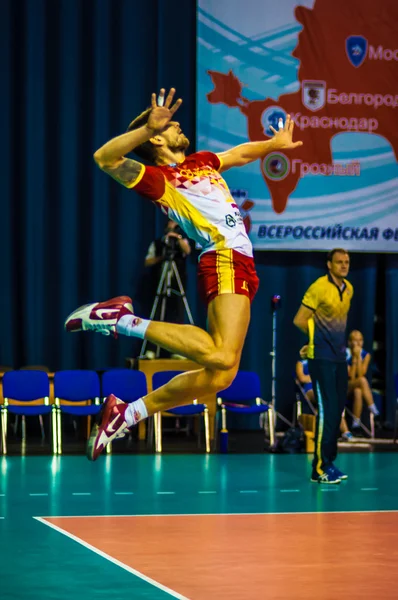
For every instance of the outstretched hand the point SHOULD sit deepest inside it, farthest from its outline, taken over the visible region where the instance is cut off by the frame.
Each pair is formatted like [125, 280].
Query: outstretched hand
[162, 111]
[284, 137]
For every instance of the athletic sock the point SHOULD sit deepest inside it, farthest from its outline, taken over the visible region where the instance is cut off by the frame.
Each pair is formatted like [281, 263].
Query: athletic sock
[132, 326]
[373, 409]
[356, 422]
[135, 412]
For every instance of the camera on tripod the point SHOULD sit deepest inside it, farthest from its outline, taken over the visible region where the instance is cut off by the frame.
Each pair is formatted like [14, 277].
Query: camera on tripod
[171, 243]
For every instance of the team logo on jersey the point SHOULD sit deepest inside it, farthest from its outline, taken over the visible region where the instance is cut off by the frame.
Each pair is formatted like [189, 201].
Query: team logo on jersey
[313, 94]
[270, 118]
[356, 47]
[276, 166]
[230, 220]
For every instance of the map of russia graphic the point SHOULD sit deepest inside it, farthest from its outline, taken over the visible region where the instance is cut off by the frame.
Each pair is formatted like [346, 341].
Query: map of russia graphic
[347, 74]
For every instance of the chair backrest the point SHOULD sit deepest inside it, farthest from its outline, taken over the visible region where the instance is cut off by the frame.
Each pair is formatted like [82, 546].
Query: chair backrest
[25, 386]
[126, 384]
[162, 377]
[76, 385]
[245, 387]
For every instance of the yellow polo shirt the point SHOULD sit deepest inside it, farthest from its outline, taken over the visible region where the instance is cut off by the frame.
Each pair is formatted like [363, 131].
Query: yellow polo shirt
[327, 326]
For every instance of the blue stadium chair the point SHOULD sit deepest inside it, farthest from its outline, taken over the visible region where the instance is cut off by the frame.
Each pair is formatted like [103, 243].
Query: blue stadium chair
[26, 393]
[187, 410]
[77, 393]
[126, 384]
[242, 397]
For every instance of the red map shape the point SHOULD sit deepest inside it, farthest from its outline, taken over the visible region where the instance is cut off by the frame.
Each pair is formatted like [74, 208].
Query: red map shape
[322, 54]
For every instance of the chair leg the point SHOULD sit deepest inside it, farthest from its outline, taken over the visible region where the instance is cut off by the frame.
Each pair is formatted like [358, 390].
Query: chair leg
[108, 448]
[372, 426]
[54, 429]
[4, 430]
[224, 431]
[299, 409]
[23, 446]
[43, 435]
[15, 426]
[207, 429]
[271, 425]
[150, 432]
[59, 431]
[158, 432]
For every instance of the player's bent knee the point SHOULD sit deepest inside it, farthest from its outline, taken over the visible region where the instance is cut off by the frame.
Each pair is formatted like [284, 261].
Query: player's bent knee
[226, 360]
[220, 380]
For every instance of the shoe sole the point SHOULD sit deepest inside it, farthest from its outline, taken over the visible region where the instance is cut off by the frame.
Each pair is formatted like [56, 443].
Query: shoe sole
[90, 447]
[98, 428]
[95, 431]
[76, 314]
[320, 481]
[80, 312]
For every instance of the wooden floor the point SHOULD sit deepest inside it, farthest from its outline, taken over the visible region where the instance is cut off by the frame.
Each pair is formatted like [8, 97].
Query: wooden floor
[197, 527]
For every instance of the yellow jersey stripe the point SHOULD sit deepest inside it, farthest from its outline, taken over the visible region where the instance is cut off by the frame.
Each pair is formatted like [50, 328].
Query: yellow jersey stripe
[187, 211]
[321, 418]
[225, 272]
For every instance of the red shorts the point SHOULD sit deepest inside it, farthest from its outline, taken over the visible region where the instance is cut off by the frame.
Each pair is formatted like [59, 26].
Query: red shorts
[226, 272]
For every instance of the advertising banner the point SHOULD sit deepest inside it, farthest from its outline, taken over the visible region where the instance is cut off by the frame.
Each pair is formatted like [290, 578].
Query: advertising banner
[331, 65]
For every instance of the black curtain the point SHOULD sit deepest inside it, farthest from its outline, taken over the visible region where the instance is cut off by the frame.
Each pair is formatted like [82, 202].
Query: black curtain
[74, 74]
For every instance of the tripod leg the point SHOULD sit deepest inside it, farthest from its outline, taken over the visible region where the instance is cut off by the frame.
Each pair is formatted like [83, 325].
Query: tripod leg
[165, 295]
[182, 292]
[159, 293]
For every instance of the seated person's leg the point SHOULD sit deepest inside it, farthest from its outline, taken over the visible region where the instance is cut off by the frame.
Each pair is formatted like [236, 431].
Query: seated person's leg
[368, 396]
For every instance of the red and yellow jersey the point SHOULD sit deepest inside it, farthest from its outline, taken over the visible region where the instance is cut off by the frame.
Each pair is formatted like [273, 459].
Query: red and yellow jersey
[195, 195]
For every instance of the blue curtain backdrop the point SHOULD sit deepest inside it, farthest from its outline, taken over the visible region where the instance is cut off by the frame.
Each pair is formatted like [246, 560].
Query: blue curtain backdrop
[74, 74]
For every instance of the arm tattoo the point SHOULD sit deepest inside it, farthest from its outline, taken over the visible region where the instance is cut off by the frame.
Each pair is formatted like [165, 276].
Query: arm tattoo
[126, 173]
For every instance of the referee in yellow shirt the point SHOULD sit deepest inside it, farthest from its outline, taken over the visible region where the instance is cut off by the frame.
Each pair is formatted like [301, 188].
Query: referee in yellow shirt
[323, 316]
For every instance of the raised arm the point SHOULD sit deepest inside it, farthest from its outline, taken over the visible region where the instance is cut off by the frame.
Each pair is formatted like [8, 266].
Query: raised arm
[246, 153]
[110, 157]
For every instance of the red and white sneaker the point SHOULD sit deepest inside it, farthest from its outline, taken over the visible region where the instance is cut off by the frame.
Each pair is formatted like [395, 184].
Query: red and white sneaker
[113, 425]
[99, 316]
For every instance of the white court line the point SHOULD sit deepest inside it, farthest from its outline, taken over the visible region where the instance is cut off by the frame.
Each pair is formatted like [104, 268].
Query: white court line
[81, 493]
[207, 492]
[248, 491]
[44, 494]
[166, 493]
[250, 514]
[289, 491]
[123, 493]
[2, 517]
[113, 560]
[369, 489]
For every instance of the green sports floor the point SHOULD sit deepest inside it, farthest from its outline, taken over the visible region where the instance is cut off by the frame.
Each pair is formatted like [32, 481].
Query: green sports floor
[198, 527]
